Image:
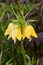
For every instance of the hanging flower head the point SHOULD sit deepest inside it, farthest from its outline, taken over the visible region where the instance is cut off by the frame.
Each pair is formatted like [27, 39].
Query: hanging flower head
[29, 31]
[14, 32]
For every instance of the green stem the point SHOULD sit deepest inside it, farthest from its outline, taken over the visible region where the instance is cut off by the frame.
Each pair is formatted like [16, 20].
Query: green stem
[23, 52]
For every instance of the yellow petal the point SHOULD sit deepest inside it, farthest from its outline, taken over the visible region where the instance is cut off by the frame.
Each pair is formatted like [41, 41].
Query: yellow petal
[23, 35]
[19, 35]
[14, 34]
[9, 36]
[26, 33]
[32, 31]
[10, 27]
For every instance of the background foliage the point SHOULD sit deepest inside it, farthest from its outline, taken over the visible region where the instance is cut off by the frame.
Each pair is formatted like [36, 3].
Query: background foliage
[10, 53]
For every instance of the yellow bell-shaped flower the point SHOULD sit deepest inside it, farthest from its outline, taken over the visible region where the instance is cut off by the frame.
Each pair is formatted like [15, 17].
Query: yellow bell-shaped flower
[14, 32]
[28, 31]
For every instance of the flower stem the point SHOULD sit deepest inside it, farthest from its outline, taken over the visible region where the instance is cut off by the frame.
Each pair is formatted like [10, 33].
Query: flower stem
[23, 52]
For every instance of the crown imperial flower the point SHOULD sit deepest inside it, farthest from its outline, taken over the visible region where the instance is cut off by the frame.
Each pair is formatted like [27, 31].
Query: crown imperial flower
[29, 31]
[14, 32]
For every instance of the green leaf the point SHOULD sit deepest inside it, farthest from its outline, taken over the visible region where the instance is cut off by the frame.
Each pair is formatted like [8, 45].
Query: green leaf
[0, 58]
[9, 62]
[33, 61]
[29, 60]
[37, 62]
[32, 20]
